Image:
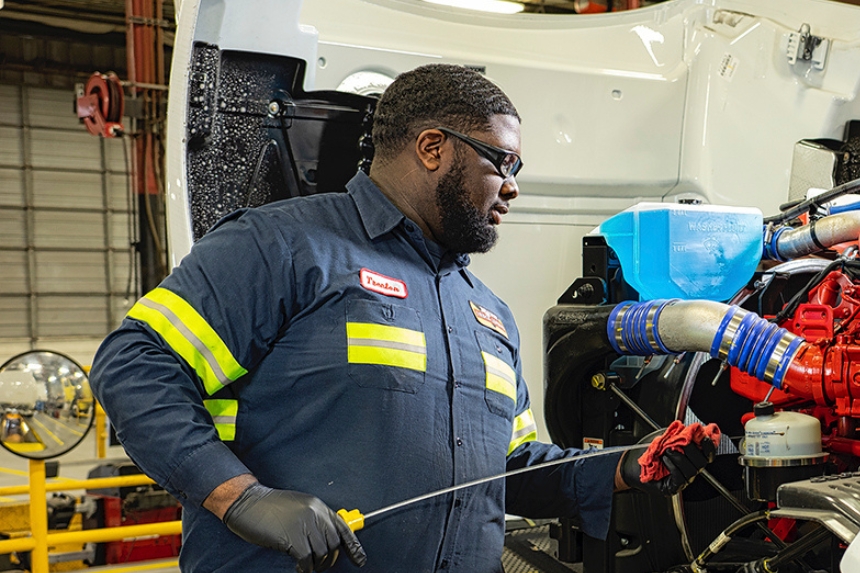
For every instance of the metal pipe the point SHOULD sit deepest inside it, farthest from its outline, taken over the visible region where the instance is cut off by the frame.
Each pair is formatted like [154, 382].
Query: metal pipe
[736, 336]
[101, 535]
[114, 533]
[820, 235]
[66, 484]
[38, 517]
[101, 432]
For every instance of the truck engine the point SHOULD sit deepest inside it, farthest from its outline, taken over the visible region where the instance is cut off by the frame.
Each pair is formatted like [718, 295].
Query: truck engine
[775, 366]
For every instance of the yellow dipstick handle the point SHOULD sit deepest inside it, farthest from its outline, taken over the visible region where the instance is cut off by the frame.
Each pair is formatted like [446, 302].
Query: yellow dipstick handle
[353, 518]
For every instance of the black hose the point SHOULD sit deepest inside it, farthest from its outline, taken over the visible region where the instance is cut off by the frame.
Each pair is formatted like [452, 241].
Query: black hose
[798, 548]
[817, 201]
[744, 521]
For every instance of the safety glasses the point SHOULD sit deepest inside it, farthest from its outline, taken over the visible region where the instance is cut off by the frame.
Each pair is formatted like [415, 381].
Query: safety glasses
[507, 163]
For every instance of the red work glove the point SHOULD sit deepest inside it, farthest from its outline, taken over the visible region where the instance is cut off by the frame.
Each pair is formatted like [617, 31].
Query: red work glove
[672, 459]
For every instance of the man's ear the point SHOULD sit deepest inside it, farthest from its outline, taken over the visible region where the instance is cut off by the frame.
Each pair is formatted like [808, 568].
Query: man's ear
[428, 148]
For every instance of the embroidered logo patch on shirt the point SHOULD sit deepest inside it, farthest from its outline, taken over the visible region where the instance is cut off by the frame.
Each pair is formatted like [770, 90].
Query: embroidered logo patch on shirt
[382, 284]
[488, 319]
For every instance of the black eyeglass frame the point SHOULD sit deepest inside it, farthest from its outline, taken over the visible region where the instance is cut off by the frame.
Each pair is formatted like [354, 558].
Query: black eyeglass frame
[496, 155]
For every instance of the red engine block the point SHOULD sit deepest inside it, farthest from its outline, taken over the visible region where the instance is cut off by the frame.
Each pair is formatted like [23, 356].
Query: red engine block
[824, 378]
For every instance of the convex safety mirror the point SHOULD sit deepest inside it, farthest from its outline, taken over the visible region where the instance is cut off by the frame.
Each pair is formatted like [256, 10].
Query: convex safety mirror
[46, 405]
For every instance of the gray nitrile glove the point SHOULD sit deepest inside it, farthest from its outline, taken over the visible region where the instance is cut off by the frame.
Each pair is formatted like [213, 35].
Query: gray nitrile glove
[294, 523]
[683, 466]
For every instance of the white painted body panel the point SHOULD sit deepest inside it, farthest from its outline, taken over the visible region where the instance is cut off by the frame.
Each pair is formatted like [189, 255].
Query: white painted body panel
[691, 98]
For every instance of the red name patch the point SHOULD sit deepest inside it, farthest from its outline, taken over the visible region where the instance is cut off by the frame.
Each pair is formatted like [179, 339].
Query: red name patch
[382, 284]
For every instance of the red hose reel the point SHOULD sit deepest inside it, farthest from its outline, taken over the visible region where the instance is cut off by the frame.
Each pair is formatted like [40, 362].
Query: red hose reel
[102, 105]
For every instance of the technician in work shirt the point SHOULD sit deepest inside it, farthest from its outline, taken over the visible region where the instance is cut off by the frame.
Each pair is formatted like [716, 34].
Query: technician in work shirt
[323, 345]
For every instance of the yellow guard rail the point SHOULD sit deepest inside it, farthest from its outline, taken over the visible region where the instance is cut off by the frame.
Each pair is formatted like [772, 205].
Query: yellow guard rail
[41, 540]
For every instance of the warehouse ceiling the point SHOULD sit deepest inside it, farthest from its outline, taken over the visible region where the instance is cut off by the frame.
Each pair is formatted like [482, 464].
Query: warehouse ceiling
[84, 16]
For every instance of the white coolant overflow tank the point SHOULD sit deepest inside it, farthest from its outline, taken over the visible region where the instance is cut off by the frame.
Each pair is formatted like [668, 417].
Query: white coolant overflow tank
[774, 435]
[779, 447]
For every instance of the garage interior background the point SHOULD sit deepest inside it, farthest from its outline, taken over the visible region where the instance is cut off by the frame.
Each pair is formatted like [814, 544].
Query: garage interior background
[82, 231]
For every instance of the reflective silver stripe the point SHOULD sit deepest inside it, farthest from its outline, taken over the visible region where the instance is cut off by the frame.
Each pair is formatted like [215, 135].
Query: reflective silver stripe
[198, 344]
[524, 431]
[387, 344]
[503, 374]
[224, 420]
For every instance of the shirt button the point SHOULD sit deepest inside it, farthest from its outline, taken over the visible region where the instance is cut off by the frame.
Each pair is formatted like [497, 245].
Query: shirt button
[450, 329]
[444, 564]
[457, 384]
[459, 442]
[457, 502]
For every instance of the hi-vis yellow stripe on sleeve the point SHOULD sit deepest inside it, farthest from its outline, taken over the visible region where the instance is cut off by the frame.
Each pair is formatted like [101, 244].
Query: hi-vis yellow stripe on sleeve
[190, 336]
[501, 378]
[369, 343]
[525, 430]
[224, 415]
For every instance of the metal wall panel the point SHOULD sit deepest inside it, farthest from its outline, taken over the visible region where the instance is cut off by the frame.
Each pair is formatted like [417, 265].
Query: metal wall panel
[75, 230]
[14, 318]
[118, 153]
[119, 191]
[69, 150]
[53, 109]
[12, 230]
[10, 105]
[14, 265]
[11, 187]
[57, 273]
[10, 147]
[71, 316]
[63, 189]
[119, 236]
[65, 213]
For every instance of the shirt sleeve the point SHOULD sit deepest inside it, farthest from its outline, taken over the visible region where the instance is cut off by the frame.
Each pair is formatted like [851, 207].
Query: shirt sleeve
[202, 329]
[580, 489]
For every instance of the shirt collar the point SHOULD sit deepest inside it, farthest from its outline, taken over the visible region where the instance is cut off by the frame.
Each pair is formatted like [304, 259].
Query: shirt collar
[378, 214]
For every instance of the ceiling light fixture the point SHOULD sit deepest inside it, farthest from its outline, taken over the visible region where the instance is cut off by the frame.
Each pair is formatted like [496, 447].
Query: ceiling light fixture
[496, 6]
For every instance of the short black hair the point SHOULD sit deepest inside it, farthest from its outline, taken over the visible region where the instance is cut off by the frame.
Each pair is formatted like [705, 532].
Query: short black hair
[432, 95]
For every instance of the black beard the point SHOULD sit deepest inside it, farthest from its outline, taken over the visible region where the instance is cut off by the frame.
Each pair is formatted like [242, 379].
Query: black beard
[464, 229]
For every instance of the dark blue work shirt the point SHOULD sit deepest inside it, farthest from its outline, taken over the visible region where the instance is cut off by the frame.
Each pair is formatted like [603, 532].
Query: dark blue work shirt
[318, 344]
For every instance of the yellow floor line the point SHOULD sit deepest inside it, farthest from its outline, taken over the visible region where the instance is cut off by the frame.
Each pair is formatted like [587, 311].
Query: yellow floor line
[14, 472]
[49, 432]
[139, 567]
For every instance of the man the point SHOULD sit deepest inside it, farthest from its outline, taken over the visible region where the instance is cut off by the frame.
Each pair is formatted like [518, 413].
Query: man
[335, 349]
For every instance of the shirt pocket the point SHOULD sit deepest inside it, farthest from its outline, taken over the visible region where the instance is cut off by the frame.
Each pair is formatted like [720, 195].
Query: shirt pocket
[500, 378]
[386, 346]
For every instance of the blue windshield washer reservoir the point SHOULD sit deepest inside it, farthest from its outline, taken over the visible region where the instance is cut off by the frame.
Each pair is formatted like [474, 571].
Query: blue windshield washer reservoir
[670, 250]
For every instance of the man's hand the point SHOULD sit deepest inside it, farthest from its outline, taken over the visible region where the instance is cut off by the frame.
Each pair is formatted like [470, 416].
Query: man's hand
[294, 523]
[667, 470]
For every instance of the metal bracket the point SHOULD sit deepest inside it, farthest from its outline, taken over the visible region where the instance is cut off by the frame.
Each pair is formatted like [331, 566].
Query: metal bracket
[803, 46]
